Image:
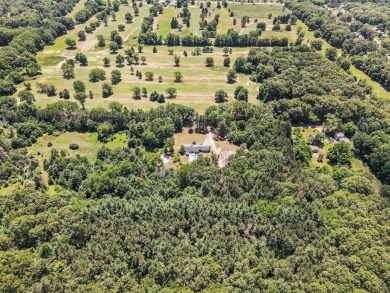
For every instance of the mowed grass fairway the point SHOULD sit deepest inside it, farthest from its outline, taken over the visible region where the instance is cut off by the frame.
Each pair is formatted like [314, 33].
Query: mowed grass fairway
[199, 82]
[87, 142]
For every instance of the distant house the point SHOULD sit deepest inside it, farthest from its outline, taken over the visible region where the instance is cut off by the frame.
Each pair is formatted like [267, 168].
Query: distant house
[344, 139]
[314, 149]
[339, 135]
[196, 148]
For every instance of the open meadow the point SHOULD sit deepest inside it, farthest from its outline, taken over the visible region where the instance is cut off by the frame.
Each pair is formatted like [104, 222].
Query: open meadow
[199, 82]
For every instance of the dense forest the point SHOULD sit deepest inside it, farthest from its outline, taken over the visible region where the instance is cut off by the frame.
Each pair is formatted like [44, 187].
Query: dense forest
[268, 221]
[121, 223]
[351, 32]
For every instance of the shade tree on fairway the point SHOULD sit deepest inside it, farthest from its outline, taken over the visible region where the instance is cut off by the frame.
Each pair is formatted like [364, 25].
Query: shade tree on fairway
[119, 60]
[209, 62]
[70, 43]
[161, 99]
[231, 76]
[149, 76]
[220, 96]
[79, 86]
[106, 90]
[137, 93]
[68, 70]
[171, 91]
[106, 62]
[114, 47]
[177, 60]
[241, 94]
[96, 75]
[116, 76]
[81, 58]
[226, 61]
[101, 41]
[65, 94]
[178, 76]
[81, 97]
[144, 92]
[81, 35]
[128, 17]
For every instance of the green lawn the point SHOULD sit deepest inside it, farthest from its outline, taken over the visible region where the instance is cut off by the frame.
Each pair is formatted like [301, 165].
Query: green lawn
[224, 21]
[88, 144]
[164, 21]
[197, 90]
[256, 11]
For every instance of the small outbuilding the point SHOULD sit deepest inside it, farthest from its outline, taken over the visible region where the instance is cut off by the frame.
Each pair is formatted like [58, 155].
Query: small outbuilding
[338, 136]
[344, 139]
[314, 149]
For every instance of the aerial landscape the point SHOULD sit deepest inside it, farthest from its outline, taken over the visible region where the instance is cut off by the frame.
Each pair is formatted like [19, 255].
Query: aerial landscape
[194, 146]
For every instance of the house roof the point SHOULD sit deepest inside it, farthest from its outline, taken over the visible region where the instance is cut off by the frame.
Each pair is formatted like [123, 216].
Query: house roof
[196, 148]
[339, 135]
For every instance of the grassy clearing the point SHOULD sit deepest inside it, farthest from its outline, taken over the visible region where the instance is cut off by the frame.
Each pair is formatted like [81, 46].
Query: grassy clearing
[195, 19]
[256, 11]
[164, 21]
[224, 21]
[200, 83]
[88, 144]
[187, 136]
[197, 90]
[49, 60]
[9, 189]
[377, 88]
[79, 6]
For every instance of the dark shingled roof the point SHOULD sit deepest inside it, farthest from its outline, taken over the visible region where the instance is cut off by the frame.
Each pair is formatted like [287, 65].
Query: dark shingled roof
[196, 148]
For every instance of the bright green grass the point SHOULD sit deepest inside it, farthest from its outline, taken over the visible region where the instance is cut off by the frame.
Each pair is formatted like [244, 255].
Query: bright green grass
[164, 21]
[377, 88]
[79, 6]
[197, 90]
[49, 60]
[224, 21]
[59, 46]
[194, 22]
[256, 11]
[88, 144]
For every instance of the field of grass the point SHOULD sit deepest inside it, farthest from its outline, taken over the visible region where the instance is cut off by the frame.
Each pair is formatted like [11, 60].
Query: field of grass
[224, 21]
[196, 90]
[255, 11]
[88, 144]
[164, 21]
[199, 82]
